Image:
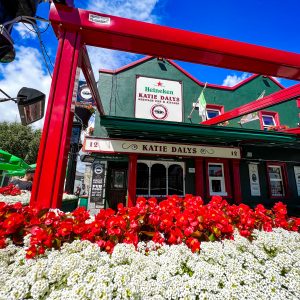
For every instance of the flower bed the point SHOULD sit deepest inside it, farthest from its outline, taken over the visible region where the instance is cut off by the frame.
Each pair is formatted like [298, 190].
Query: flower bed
[246, 256]
[265, 268]
[11, 195]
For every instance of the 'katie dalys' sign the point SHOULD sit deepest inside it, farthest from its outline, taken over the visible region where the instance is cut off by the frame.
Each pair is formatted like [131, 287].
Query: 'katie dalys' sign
[156, 148]
[158, 99]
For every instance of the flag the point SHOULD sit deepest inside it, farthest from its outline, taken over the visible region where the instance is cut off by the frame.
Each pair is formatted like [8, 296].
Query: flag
[252, 116]
[202, 105]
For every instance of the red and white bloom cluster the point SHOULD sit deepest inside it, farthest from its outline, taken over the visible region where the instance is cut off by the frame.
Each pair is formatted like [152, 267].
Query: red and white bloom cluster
[172, 221]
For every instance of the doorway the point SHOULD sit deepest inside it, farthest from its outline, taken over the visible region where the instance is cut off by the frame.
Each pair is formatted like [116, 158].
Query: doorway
[117, 184]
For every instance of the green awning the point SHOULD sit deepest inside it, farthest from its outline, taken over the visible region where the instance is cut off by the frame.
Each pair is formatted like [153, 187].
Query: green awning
[121, 127]
[4, 156]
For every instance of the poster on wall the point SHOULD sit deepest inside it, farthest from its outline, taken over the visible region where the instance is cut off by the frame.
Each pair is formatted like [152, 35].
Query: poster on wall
[84, 95]
[98, 183]
[158, 99]
[297, 177]
[254, 180]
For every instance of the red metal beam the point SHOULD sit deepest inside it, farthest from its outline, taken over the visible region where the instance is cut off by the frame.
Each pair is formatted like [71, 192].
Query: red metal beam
[270, 100]
[293, 130]
[117, 33]
[90, 79]
[55, 143]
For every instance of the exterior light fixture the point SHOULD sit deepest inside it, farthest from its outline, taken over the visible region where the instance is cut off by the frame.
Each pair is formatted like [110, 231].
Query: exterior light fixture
[31, 104]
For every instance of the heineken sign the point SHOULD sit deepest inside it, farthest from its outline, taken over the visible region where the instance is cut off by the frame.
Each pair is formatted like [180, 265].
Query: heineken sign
[158, 99]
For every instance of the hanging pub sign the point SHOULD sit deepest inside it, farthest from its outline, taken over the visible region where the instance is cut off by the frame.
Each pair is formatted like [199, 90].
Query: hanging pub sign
[116, 146]
[84, 95]
[158, 99]
[98, 182]
[297, 177]
[254, 180]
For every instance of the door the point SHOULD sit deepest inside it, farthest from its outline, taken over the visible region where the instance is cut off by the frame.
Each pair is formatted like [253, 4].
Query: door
[117, 186]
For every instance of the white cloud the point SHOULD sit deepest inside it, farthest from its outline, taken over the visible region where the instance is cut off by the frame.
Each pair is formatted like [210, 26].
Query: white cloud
[139, 10]
[27, 70]
[232, 80]
[25, 31]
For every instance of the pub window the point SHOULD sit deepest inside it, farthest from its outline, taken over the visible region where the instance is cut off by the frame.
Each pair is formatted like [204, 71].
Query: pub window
[276, 180]
[142, 179]
[216, 179]
[214, 110]
[268, 119]
[175, 180]
[158, 180]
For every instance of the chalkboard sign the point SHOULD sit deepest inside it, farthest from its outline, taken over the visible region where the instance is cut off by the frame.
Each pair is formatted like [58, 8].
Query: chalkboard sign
[98, 182]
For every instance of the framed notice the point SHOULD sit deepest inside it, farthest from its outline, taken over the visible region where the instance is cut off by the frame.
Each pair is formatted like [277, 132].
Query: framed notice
[158, 99]
[254, 180]
[297, 177]
[98, 182]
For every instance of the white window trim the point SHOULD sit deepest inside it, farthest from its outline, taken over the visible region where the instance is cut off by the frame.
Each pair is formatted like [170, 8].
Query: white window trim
[276, 180]
[222, 179]
[268, 115]
[167, 164]
[212, 109]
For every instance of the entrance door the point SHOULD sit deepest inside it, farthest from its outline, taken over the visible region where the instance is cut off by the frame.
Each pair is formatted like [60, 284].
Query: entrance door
[117, 186]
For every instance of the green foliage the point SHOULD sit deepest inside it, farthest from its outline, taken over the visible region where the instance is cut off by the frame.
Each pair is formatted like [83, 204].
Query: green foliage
[19, 140]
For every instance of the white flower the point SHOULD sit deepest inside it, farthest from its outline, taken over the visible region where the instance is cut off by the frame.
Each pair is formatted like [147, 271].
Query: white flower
[266, 268]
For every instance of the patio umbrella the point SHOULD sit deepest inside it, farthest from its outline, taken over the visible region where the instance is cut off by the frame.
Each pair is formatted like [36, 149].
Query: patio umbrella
[14, 164]
[4, 156]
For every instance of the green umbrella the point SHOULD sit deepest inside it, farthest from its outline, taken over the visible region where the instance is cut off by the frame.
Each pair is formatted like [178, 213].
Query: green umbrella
[4, 156]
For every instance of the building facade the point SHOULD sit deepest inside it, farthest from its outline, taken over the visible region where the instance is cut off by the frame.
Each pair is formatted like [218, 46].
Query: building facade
[150, 142]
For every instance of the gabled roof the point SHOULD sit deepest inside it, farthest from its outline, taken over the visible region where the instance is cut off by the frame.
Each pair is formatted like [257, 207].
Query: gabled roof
[174, 64]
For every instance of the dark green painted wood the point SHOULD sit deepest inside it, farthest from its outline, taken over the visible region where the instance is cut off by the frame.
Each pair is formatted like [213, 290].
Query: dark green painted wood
[118, 93]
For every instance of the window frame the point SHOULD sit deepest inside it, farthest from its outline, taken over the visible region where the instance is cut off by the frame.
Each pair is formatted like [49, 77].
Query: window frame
[167, 164]
[272, 114]
[214, 107]
[226, 175]
[283, 172]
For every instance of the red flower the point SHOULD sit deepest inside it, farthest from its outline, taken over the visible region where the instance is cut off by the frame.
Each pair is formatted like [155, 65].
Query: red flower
[193, 244]
[65, 228]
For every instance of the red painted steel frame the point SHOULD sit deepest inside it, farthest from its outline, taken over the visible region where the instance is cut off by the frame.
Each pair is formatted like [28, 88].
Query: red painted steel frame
[55, 142]
[75, 28]
[145, 38]
[273, 99]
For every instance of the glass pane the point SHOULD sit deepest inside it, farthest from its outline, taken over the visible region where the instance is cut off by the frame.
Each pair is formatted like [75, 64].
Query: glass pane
[211, 113]
[268, 120]
[158, 180]
[142, 179]
[119, 179]
[216, 186]
[277, 188]
[175, 180]
[274, 172]
[215, 170]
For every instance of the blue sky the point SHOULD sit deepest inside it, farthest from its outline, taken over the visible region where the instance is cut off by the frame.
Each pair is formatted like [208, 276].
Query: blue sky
[269, 23]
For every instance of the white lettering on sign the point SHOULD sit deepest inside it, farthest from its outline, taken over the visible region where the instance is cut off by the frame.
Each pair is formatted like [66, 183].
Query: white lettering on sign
[158, 99]
[131, 146]
[99, 19]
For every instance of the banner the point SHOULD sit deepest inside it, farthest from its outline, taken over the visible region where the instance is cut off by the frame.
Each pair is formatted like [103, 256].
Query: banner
[254, 180]
[157, 148]
[158, 99]
[98, 183]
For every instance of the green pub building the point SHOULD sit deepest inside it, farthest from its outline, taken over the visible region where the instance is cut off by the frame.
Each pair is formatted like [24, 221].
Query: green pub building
[150, 144]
